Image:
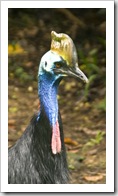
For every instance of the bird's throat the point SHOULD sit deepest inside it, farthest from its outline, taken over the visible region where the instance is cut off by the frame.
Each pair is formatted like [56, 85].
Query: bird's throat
[47, 91]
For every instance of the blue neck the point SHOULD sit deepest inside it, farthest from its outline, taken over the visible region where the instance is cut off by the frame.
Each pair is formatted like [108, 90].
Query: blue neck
[47, 91]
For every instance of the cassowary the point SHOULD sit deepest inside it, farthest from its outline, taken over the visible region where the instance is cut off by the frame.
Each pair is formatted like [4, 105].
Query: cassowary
[39, 156]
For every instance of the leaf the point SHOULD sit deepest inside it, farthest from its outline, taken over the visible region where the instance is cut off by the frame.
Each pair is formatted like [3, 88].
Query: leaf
[70, 141]
[15, 49]
[71, 167]
[102, 105]
[93, 178]
[19, 71]
[93, 51]
[88, 131]
[10, 49]
[13, 109]
[11, 122]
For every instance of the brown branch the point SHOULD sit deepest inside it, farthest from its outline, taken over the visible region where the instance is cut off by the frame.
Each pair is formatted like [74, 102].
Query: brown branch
[70, 16]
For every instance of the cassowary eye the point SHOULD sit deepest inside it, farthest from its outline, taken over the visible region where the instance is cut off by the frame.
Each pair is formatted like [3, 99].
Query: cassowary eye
[45, 63]
[57, 65]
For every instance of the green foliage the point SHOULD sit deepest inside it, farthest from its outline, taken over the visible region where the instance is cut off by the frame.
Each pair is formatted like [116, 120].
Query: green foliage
[72, 167]
[19, 71]
[22, 75]
[87, 86]
[90, 66]
[13, 109]
[102, 105]
[102, 41]
[72, 160]
[90, 61]
[94, 141]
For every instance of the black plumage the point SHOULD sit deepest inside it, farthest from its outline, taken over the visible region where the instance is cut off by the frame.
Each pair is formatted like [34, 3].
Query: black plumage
[31, 160]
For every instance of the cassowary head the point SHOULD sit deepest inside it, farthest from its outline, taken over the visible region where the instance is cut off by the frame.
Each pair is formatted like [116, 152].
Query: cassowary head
[61, 60]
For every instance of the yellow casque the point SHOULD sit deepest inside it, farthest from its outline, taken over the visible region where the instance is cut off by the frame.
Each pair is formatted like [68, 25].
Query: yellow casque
[63, 45]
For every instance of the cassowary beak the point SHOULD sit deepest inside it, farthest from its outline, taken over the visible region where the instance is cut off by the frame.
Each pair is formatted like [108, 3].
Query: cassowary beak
[76, 73]
[73, 72]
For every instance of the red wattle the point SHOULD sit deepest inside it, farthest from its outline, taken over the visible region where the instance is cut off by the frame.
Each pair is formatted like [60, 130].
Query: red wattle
[56, 141]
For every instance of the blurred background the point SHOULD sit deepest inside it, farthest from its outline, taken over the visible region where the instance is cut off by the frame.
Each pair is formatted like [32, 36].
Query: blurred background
[82, 106]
